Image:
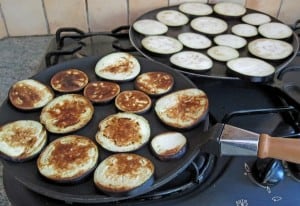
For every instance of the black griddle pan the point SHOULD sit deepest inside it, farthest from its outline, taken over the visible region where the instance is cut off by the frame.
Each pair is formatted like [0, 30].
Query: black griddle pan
[85, 191]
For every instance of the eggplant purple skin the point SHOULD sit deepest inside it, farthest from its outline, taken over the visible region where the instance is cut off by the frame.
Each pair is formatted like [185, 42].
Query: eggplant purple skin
[133, 192]
[177, 155]
[71, 181]
[254, 79]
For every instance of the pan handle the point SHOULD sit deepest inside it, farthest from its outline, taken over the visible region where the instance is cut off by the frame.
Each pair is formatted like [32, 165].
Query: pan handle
[287, 149]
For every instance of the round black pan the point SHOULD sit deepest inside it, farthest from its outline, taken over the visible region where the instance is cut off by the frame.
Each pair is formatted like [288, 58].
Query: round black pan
[85, 191]
[219, 68]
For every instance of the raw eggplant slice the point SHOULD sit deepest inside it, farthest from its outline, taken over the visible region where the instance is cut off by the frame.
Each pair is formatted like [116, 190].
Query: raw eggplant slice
[68, 159]
[30, 94]
[162, 44]
[195, 8]
[150, 27]
[256, 19]
[194, 40]
[275, 30]
[191, 60]
[230, 40]
[169, 145]
[270, 49]
[209, 25]
[172, 18]
[123, 132]
[118, 66]
[222, 53]
[254, 69]
[22, 140]
[124, 174]
[229, 9]
[182, 109]
[244, 30]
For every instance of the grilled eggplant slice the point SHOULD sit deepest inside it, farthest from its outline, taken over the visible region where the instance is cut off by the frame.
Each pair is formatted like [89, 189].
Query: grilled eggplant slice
[191, 60]
[169, 145]
[150, 27]
[172, 18]
[275, 30]
[270, 49]
[154, 83]
[230, 40]
[195, 8]
[252, 68]
[229, 9]
[161, 44]
[194, 41]
[124, 174]
[222, 53]
[22, 140]
[68, 159]
[256, 19]
[70, 80]
[133, 101]
[123, 132]
[182, 109]
[209, 25]
[244, 30]
[67, 113]
[101, 91]
[30, 94]
[118, 66]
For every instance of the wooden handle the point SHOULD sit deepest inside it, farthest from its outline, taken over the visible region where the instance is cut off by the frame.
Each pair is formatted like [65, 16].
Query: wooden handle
[279, 148]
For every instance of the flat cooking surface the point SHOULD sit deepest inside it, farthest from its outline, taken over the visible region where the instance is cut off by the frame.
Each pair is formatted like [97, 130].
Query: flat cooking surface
[219, 68]
[85, 191]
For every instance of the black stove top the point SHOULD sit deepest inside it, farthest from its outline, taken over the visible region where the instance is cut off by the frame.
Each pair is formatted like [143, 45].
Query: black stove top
[240, 181]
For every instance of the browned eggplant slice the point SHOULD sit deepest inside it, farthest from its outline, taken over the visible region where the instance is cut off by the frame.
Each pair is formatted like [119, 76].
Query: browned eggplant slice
[68, 159]
[67, 113]
[154, 83]
[133, 101]
[70, 80]
[182, 109]
[22, 140]
[30, 94]
[101, 91]
[123, 132]
[124, 174]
